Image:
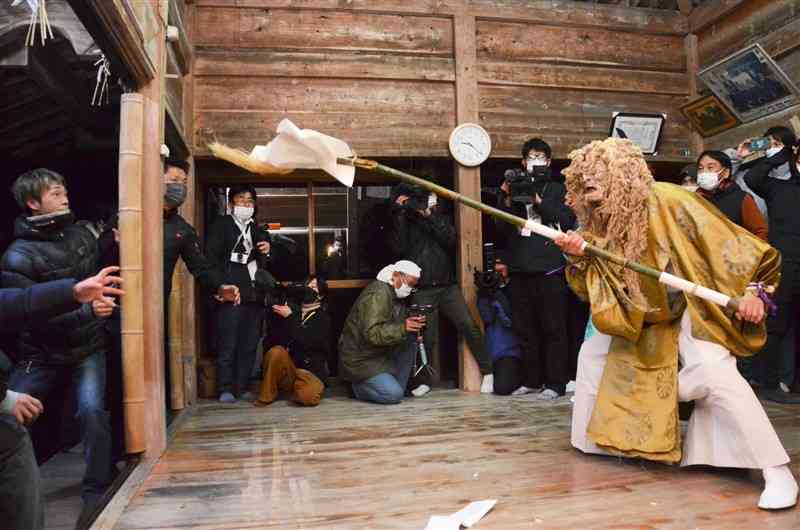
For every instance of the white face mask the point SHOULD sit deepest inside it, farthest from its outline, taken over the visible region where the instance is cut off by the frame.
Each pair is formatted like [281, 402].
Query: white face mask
[432, 200]
[708, 180]
[536, 162]
[404, 291]
[243, 213]
[772, 151]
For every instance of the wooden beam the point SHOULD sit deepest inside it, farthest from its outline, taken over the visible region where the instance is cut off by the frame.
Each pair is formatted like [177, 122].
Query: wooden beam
[467, 182]
[711, 11]
[692, 67]
[184, 53]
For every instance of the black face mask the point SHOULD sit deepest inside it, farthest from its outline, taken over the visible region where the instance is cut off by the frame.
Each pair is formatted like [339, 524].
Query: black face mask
[310, 296]
[55, 220]
[175, 194]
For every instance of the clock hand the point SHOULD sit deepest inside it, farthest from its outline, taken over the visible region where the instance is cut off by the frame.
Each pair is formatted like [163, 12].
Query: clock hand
[472, 146]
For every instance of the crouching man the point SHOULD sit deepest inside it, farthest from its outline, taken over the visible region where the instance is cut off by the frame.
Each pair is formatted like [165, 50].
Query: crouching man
[378, 342]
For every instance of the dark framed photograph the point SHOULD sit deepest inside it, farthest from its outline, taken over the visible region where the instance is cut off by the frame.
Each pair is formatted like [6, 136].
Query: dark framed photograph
[750, 84]
[709, 116]
[642, 129]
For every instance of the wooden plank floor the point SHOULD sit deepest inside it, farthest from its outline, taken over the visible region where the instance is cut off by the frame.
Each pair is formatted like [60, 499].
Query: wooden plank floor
[61, 487]
[351, 465]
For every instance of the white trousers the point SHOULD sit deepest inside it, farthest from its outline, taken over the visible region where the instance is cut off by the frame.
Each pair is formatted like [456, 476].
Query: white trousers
[728, 427]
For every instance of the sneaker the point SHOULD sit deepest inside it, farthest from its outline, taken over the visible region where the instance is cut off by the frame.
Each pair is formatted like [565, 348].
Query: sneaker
[547, 394]
[784, 387]
[421, 390]
[227, 397]
[571, 386]
[521, 391]
[248, 396]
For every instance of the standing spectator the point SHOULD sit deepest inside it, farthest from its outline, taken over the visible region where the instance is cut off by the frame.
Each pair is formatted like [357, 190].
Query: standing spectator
[378, 342]
[782, 195]
[421, 234]
[494, 307]
[715, 185]
[67, 350]
[539, 297]
[234, 244]
[20, 494]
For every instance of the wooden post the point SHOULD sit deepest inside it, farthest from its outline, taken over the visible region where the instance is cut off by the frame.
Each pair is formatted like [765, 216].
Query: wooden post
[131, 140]
[467, 182]
[153, 246]
[175, 337]
[692, 67]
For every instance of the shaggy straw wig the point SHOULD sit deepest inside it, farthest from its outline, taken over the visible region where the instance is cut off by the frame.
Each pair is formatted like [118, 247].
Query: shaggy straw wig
[622, 216]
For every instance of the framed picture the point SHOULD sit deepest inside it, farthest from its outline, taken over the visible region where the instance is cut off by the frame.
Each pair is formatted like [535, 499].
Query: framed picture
[709, 116]
[751, 84]
[642, 129]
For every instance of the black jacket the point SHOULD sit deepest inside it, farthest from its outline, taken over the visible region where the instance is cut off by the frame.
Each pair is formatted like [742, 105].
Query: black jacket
[729, 202]
[783, 203]
[180, 240]
[537, 253]
[427, 241]
[19, 307]
[310, 342]
[222, 237]
[43, 255]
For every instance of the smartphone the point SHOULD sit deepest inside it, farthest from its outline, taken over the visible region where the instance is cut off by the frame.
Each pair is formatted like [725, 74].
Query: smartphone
[759, 144]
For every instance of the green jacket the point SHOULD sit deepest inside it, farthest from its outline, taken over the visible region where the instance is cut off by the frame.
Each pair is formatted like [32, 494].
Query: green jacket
[374, 327]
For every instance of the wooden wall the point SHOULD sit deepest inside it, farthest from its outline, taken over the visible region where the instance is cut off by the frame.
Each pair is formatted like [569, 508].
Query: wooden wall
[381, 74]
[775, 24]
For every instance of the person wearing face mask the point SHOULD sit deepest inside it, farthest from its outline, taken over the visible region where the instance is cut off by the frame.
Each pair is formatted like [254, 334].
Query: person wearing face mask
[300, 366]
[776, 179]
[715, 185]
[237, 245]
[422, 234]
[539, 297]
[378, 343]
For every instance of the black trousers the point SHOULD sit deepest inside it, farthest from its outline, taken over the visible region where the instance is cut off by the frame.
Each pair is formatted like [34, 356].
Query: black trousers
[21, 505]
[539, 306]
[787, 298]
[507, 375]
[238, 332]
[578, 317]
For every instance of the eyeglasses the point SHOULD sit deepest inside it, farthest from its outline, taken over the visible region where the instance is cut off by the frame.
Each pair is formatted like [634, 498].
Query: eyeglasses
[533, 158]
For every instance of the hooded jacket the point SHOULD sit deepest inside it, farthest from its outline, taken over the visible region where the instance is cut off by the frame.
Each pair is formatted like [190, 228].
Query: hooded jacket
[427, 241]
[40, 255]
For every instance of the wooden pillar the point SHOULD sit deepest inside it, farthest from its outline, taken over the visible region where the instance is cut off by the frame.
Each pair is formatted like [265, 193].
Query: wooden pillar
[153, 245]
[131, 138]
[692, 67]
[467, 182]
[175, 338]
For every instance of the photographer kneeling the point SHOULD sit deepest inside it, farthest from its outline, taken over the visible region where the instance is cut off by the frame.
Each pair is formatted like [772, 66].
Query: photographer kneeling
[300, 366]
[378, 342]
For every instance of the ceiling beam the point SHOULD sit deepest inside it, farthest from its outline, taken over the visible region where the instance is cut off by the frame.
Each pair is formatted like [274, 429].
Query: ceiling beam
[710, 11]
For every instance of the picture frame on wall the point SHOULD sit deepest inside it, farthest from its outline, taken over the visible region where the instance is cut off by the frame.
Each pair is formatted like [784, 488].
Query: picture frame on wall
[751, 84]
[709, 116]
[642, 129]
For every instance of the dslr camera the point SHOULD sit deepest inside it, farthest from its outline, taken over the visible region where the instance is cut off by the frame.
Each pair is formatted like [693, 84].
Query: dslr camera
[420, 310]
[277, 293]
[487, 280]
[417, 197]
[521, 184]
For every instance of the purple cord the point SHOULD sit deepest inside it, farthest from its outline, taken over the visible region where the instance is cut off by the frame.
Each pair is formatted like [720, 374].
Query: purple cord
[772, 309]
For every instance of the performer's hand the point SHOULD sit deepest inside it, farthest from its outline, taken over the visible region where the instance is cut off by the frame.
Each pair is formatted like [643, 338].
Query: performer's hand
[99, 287]
[228, 293]
[263, 247]
[571, 243]
[751, 309]
[283, 310]
[415, 324]
[27, 409]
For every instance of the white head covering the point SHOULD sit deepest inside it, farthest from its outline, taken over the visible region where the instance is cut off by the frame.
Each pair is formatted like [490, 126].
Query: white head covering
[404, 266]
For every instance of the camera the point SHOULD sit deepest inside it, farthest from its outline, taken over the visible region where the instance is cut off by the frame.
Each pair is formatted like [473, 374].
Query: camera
[487, 280]
[417, 196]
[521, 184]
[277, 293]
[420, 310]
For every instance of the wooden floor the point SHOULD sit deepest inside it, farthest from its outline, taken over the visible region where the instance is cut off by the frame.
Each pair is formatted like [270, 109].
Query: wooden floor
[351, 465]
[61, 487]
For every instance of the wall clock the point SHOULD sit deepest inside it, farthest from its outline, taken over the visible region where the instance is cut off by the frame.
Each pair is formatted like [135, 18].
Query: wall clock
[470, 144]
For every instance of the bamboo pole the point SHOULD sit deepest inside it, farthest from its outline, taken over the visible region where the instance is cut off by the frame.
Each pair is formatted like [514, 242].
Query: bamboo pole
[131, 139]
[175, 333]
[661, 276]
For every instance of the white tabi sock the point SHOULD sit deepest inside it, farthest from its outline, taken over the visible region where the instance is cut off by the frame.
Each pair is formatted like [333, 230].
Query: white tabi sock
[780, 489]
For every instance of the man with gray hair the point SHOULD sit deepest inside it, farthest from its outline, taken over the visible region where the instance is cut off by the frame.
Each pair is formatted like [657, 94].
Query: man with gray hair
[378, 342]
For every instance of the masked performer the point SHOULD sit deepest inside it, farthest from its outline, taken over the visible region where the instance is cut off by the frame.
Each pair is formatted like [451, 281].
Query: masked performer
[629, 381]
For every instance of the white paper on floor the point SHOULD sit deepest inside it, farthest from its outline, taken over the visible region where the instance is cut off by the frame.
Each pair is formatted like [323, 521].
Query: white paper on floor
[465, 517]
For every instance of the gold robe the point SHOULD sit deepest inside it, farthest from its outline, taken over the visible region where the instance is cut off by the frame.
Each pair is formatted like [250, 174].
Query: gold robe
[636, 413]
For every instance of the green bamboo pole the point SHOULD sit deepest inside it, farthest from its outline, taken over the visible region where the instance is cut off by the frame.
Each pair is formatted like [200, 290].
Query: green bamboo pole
[441, 191]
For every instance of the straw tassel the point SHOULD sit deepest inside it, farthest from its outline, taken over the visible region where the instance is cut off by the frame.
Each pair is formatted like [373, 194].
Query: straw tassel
[38, 18]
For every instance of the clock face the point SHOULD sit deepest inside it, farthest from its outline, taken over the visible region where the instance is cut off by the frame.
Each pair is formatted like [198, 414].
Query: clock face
[470, 144]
